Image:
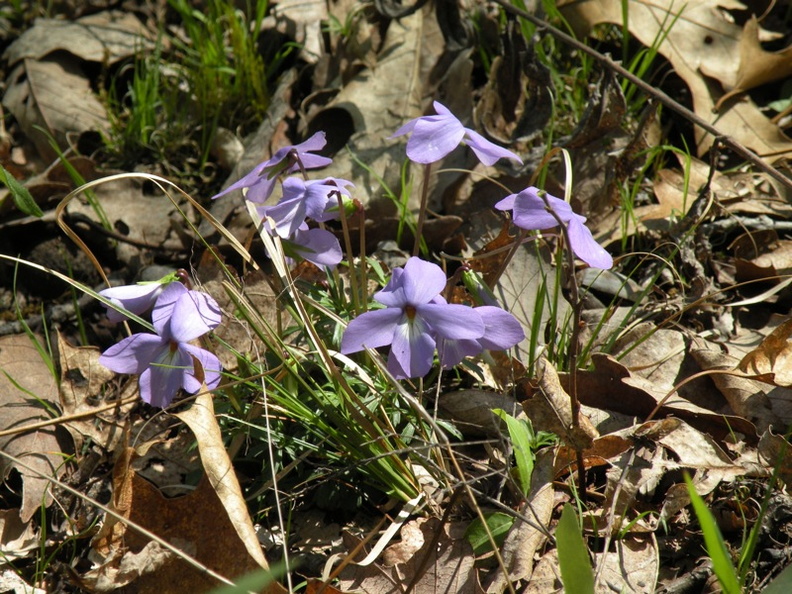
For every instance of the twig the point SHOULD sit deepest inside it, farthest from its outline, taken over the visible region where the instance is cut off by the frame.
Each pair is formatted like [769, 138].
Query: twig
[608, 62]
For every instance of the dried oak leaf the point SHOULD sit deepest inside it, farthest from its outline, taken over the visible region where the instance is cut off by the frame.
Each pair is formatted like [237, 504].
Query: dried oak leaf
[27, 390]
[550, 409]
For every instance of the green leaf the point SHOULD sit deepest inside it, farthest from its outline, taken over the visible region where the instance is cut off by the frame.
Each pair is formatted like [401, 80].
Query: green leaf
[499, 525]
[573, 558]
[713, 540]
[522, 438]
[22, 198]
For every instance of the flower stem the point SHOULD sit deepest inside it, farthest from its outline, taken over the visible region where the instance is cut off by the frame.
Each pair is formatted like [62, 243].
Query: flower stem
[353, 281]
[422, 209]
[577, 306]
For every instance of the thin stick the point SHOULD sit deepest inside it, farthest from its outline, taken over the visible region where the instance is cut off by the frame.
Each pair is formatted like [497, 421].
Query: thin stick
[726, 140]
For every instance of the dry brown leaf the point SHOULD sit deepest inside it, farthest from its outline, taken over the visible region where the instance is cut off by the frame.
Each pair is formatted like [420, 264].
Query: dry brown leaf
[200, 418]
[17, 538]
[550, 409]
[524, 539]
[27, 388]
[471, 410]
[611, 386]
[53, 94]
[757, 66]
[412, 539]
[774, 356]
[745, 396]
[82, 379]
[371, 106]
[699, 37]
[105, 37]
[444, 564]
[196, 524]
[632, 567]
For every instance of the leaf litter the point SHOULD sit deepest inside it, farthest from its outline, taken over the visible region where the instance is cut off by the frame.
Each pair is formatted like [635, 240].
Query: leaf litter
[697, 384]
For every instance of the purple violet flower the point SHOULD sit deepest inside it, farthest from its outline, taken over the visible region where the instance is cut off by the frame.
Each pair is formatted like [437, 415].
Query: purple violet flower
[137, 299]
[316, 199]
[166, 361]
[435, 136]
[529, 212]
[415, 320]
[260, 182]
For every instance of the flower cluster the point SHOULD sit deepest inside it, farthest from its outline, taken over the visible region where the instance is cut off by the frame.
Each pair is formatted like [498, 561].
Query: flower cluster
[301, 200]
[417, 320]
[165, 361]
[530, 212]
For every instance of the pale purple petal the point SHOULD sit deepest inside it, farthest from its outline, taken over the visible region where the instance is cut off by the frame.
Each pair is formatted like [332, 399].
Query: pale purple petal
[586, 247]
[290, 212]
[210, 364]
[160, 382]
[194, 314]
[453, 321]
[413, 348]
[323, 198]
[163, 308]
[434, 137]
[133, 354]
[392, 294]
[318, 246]
[315, 143]
[422, 281]
[405, 129]
[372, 329]
[507, 203]
[486, 151]
[501, 329]
[530, 211]
[245, 182]
[135, 298]
[260, 190]
[453, 351]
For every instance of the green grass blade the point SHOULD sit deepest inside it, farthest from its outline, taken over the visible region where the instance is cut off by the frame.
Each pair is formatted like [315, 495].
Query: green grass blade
[713, 539]
[573, 558]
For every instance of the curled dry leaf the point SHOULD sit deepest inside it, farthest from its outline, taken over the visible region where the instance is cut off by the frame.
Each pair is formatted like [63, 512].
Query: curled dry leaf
[745, 396]
[774, 356]
[550, 409]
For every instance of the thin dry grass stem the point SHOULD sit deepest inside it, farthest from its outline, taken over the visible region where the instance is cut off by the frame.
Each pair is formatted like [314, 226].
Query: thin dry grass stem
[274, 248]
[133, 525]
[446, 444]
[651, 91]
[68, 418]
[162, 184]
